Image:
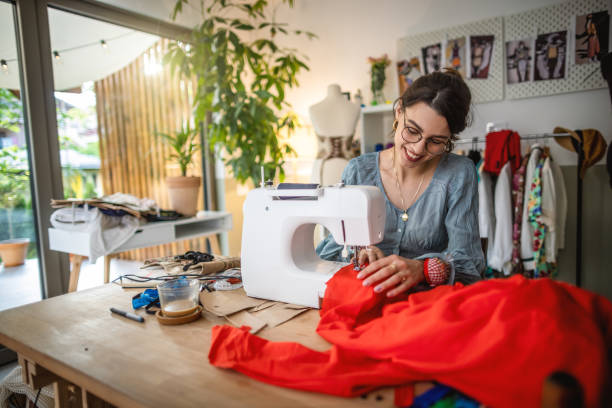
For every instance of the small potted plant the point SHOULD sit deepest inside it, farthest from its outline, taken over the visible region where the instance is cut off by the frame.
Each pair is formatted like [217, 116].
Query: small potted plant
[377, 72]
[14, 184]
[183, 190]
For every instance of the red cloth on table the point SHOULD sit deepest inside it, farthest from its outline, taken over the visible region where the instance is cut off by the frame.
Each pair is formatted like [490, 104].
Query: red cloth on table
[495, 341]
[501, 147]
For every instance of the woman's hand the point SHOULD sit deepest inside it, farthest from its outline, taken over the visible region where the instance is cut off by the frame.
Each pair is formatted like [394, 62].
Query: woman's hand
[368, 255]
[393, 274]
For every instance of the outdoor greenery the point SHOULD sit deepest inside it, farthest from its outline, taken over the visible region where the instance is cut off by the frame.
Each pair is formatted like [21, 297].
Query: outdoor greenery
[14, 183]
[241, 82]
[184, 146]
[10, 111]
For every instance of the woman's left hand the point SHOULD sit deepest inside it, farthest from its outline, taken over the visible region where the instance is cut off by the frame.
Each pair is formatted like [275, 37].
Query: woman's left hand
[393, 274]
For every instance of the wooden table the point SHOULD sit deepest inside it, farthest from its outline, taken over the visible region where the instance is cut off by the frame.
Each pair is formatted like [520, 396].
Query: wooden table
[76, 243]
[96, 358]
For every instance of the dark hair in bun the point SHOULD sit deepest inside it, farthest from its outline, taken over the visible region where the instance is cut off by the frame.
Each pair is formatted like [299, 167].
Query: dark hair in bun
[445, 92]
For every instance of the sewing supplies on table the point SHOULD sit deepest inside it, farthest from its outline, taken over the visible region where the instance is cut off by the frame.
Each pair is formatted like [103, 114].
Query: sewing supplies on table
[283, 265]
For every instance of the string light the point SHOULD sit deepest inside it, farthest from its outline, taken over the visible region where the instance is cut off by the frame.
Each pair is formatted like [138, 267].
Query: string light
[56, 53]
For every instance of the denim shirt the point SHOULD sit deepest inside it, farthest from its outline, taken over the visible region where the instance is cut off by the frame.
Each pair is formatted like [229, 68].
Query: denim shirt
[442, 222]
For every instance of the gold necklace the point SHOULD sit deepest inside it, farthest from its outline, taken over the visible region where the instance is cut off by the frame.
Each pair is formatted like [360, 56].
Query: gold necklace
[399, 189]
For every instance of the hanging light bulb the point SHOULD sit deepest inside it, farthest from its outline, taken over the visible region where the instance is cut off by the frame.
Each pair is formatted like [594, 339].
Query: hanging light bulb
[103, 44]
[4, 65]
[56, 55]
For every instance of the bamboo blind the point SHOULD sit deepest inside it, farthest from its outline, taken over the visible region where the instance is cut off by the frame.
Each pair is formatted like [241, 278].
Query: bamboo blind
[132, 105]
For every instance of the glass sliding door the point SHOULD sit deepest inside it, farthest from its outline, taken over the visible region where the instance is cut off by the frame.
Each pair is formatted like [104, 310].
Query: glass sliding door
[19, 269]
[114, 96]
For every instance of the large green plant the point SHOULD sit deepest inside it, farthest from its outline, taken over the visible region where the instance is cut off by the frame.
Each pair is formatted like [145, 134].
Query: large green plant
[241, 82]
[183, 145]
[14, 182]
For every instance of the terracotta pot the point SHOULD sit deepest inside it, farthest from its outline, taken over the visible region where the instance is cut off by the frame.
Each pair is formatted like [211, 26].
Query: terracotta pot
[183, 192]
[13, 251]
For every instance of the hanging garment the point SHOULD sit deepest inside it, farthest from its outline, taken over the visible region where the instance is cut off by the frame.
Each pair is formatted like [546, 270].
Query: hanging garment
[463, 337]
[543, 267]
[501, 147]
[526, 228]
[554, 208]
[518, 188]
[486, 214]
[500, 257]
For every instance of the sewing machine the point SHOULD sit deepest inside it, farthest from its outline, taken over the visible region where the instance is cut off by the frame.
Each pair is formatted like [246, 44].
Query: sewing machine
[278, 259]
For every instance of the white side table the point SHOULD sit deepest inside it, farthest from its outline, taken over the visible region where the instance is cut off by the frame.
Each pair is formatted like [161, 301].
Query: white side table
[147, 235]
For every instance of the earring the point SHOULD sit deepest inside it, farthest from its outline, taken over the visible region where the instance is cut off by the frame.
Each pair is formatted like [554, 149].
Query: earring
[395, 123]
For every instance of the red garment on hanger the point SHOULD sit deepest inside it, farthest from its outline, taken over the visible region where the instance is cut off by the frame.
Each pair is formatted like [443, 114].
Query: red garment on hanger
[495, 341]
[502, 146]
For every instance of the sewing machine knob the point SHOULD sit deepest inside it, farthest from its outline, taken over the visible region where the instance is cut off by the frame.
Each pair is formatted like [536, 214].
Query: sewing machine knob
[267, 208]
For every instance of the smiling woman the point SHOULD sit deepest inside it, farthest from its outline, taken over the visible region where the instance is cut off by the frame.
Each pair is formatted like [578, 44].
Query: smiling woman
[431, 231]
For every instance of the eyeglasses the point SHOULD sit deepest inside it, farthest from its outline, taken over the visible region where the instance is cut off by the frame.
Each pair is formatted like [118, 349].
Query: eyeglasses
[434, 145]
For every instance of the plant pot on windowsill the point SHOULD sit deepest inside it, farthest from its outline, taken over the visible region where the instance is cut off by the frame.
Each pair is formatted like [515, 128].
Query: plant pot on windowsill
[183, 192]
[13, 251]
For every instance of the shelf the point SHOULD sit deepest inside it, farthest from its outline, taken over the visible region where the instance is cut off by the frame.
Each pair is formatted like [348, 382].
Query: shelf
[388, 107]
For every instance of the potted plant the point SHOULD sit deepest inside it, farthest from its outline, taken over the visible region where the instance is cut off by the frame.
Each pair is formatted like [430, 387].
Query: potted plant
[14, 184]
[242, 75]
[183, 190]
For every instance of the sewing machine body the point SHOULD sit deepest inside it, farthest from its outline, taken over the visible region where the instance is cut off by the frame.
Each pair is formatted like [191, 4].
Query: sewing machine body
[278, 260]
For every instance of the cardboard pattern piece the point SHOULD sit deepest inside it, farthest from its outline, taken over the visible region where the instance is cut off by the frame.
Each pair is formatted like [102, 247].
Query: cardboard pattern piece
[226, 302]
[240, 310]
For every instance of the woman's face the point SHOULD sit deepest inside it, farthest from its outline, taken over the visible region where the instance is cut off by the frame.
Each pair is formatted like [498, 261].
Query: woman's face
[424, 124]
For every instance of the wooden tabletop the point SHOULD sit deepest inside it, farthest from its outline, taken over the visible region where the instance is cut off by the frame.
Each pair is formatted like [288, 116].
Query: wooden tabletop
[147, 364]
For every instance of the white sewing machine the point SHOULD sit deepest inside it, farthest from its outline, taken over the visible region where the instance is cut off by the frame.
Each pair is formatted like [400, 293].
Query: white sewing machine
[278, 259]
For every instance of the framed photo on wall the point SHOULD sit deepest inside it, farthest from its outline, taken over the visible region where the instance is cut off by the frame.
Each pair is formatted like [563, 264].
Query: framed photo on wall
[519, 60]
[592, 31]
[550, 52]
[432, 58]
[455, 55]
[408, 70]
[481, 50]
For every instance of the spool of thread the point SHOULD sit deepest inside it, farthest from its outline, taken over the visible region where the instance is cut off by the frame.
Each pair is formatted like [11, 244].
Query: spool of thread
[378, 147]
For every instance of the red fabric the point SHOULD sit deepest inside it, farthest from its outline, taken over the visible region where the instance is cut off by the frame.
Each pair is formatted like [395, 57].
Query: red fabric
[501, 147]
[495, 340]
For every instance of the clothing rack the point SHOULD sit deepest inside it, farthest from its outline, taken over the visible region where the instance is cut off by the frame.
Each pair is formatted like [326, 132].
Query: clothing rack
[579, 145]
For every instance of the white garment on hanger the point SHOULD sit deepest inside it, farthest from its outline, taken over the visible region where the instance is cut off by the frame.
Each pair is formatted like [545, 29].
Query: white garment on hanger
[486, 215]
[500, 257]
[527, 233]
[554, 208]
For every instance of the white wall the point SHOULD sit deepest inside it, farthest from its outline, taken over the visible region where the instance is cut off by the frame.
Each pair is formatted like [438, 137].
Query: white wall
[350, 31]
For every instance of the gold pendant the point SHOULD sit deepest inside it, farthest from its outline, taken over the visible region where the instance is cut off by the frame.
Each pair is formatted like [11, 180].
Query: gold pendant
[404, 216]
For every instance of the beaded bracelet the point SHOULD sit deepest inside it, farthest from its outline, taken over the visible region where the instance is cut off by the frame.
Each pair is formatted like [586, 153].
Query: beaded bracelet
[436, 271]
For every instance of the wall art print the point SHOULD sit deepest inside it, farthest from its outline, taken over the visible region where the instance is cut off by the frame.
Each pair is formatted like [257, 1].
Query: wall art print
[519, 60]
[550, 52]
[455, 55]
[481, 50]
[432, 58]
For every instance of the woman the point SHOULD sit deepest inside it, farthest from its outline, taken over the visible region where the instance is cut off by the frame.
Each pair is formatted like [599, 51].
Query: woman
[431, 232]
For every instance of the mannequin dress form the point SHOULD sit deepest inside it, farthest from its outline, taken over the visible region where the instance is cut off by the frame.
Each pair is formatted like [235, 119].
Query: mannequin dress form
[334, 120]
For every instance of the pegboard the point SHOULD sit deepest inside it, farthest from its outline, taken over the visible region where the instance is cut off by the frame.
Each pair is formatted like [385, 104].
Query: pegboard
[483, 90]
[549, 19]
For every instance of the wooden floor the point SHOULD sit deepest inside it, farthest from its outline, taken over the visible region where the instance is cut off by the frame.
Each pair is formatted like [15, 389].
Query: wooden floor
[20, 285]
